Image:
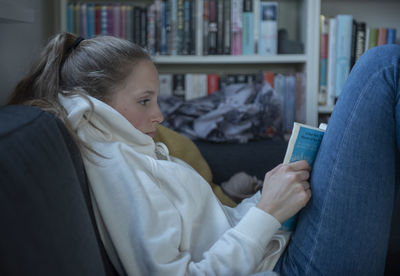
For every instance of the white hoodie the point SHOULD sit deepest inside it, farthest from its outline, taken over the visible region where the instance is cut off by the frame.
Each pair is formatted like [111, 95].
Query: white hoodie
[160, 217]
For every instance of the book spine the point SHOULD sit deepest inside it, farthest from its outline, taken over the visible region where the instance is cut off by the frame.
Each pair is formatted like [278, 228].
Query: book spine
[237, 27]
[324, 36]
[186, 27]
[180, 23]
[203, 85]
[174, 27]
[199, 27]
[151, 29]
[353, 44]
[179, 85]
[163, 44]
[168, 26]
[97, 15]
[373, 38]
[165, 84]
[212, 83]
[104, 18]
[158, 26]
[83, 27]
[123, 21]
[110, 20]
[227, 27]
[343, 50]
[129, 22]
[205, 26]
[331, 69]
[268, 38]
[220, 27]
[391, 36]
[143, 20]
[70, 17]
[256, 24]
[193, 27]
[91, 20]
[248, 28]
[360, 39]
[136, 24]
[269, 78]
[382, 36]
[116, 9]
[77, 8]
[212, 27]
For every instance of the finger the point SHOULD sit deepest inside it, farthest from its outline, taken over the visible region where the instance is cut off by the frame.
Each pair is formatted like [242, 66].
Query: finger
[306, 185]
[303, 175]
[300, 165]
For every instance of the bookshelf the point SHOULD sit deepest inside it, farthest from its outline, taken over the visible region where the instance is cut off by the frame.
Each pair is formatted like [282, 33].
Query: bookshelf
[299, 17]
[375, 13]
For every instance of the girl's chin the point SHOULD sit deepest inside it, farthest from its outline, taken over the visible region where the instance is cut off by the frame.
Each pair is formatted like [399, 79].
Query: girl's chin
[151, 134]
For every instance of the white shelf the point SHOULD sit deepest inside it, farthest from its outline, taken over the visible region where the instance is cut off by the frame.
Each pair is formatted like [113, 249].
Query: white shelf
[229, 59]
[14, 13]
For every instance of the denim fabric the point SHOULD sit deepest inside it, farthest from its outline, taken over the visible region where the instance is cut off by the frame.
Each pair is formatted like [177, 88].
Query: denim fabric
[344, 229]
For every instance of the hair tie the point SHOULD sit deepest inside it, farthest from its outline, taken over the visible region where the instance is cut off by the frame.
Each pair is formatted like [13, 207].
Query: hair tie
[78, 40]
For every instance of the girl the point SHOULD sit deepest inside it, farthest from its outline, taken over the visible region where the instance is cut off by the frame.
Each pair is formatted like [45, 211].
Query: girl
[157, 216]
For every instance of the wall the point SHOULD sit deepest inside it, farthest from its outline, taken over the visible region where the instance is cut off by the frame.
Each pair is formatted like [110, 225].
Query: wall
[20, 42]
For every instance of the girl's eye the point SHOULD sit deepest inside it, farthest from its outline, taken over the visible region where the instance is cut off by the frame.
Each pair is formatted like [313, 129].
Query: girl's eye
[144, 102]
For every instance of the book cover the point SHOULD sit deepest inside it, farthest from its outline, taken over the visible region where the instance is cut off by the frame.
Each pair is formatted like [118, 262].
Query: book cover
[248, 28]
[331, 68]
[268, 38]
[236, 20]
[343, 50]
[303, 144]
[227, 27]
[382, 36]
[391, 36]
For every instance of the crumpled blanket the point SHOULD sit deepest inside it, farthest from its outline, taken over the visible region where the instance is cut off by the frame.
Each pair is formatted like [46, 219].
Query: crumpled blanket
[236, 113]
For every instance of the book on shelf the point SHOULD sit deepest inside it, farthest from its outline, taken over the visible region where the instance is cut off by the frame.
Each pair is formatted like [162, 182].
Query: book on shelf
[237, 27]
[324, 38]
[248, 28]
[165, 84]
[268, 30]
[212, 27]
[347, 39]
[303, 144]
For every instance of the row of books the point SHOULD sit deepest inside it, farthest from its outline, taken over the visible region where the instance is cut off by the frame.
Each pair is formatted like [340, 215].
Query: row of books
[183, 27]
[343, 40]
[290, 87]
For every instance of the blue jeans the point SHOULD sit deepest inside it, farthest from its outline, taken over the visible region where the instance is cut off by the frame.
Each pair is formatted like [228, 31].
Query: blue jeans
[344, 229]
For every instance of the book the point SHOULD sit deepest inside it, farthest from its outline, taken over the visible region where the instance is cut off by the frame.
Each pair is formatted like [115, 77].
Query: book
[212, 27]
[199, 27]
[391, 36]
[344, 25]
[236, 22]
[373, 38]
[323, 59]
[220, 27]
[212, 83]
[227, 27]
[303, 144]
[248, 28]
[187, 40]
[360, 39]
[268, 30]
[331, 68]
[165, 84]
[382, 36]
[205, 26]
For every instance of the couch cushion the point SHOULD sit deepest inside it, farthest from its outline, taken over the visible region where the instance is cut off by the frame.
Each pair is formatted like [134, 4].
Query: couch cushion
[46, 227]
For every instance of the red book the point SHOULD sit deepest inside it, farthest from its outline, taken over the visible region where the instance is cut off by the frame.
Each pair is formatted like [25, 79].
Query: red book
[97, 20]
[382, 35]
[269, 77]
[212, 83]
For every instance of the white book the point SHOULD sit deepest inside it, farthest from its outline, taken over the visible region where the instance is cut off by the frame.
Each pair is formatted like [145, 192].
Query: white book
[165, 84]
[331, 67]
[268, 35]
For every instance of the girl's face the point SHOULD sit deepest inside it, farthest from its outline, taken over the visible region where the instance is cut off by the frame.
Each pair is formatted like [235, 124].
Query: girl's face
[136, 100]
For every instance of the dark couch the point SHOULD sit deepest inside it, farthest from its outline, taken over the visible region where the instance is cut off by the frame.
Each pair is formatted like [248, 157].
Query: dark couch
[47, 223]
